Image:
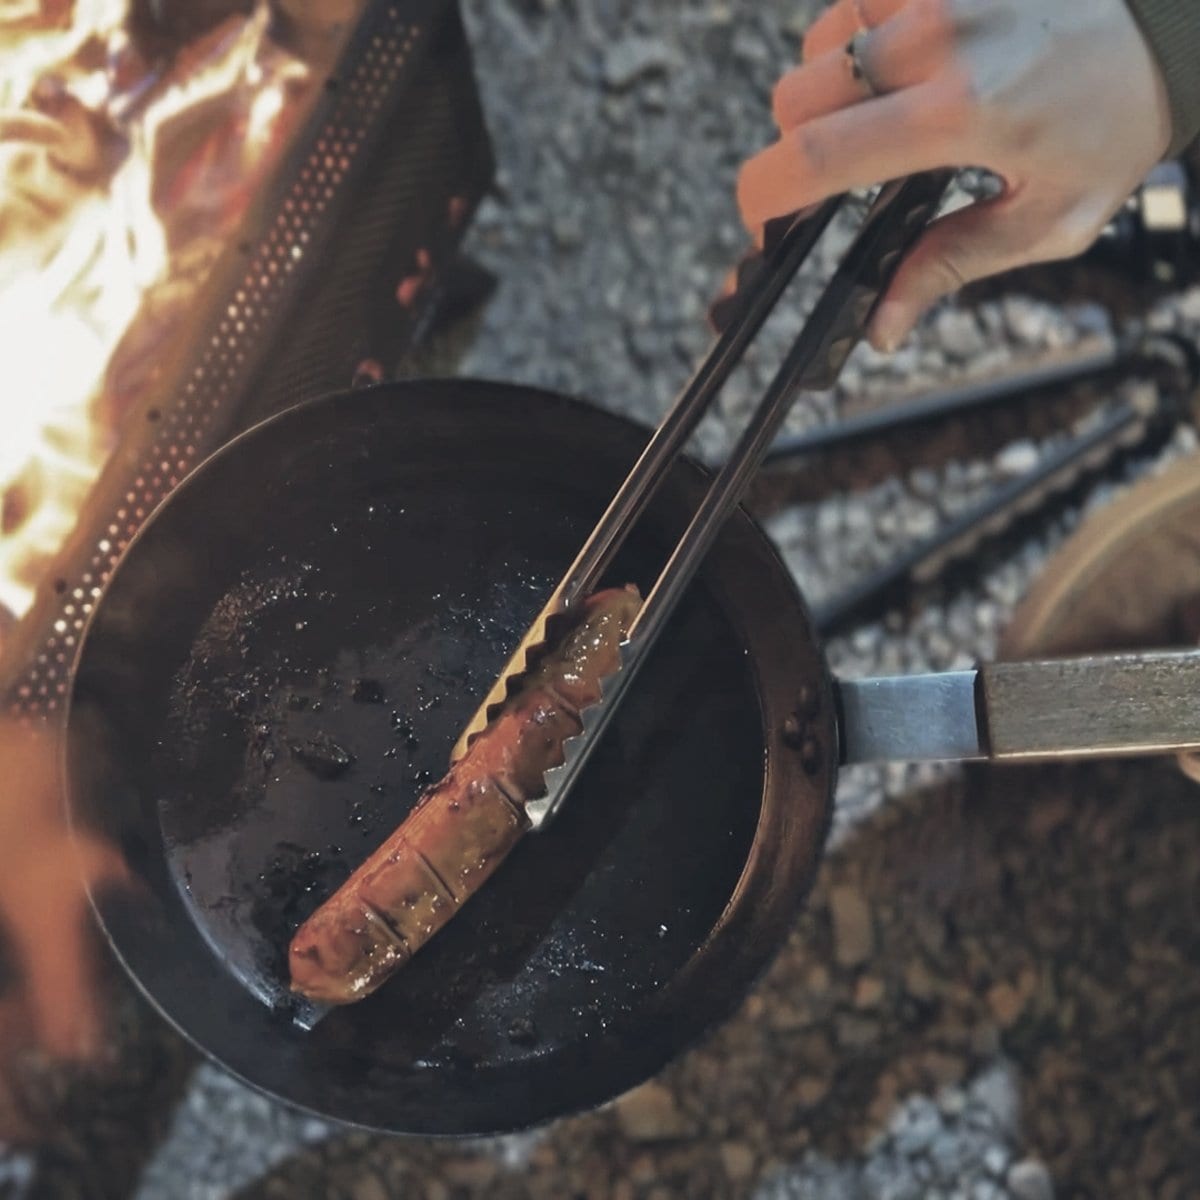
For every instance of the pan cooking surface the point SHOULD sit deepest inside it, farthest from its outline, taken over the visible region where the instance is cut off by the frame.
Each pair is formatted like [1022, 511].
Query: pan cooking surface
[283, 661]
[325, 689]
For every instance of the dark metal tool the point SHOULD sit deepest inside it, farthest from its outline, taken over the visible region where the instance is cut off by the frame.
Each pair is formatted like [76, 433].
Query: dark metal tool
[838, 321]
[1145, 417]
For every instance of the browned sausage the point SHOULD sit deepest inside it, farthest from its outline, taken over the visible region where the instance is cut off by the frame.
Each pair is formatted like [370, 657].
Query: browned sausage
[463, 826]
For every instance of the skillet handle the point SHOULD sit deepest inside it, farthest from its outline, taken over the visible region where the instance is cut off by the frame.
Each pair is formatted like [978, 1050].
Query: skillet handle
[1102, 706]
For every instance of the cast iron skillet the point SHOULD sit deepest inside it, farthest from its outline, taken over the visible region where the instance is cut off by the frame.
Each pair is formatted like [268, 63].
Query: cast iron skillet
[288, 650]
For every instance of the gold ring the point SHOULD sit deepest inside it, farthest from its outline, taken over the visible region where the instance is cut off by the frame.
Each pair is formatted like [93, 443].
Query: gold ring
[858, 71]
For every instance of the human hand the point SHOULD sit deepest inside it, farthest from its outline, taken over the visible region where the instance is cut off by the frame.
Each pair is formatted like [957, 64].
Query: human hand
[44, 875]
[1063, 102]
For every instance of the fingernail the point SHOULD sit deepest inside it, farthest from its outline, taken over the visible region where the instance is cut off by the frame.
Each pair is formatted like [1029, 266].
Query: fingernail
[890, 326]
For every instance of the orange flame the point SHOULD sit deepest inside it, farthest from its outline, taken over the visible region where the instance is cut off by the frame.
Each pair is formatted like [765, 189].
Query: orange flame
[120, 180]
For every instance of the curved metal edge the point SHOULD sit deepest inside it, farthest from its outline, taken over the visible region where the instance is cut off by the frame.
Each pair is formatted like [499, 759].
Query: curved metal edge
[799, 719]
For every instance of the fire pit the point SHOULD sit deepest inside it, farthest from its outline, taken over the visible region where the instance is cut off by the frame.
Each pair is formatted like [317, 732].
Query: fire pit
[213, 213]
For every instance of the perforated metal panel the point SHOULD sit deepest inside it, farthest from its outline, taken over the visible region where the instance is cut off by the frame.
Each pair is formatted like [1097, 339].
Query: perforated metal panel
[270, 315]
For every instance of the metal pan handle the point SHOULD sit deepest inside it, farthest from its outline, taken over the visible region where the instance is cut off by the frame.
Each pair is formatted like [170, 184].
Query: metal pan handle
[1102, 706]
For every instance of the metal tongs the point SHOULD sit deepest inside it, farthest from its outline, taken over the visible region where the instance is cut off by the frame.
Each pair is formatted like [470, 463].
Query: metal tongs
[895, 220]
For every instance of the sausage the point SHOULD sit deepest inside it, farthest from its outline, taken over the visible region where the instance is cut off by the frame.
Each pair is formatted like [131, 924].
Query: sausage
[463, 826]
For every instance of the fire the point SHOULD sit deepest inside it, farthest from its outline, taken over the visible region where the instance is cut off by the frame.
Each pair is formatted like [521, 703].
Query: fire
[122, 174]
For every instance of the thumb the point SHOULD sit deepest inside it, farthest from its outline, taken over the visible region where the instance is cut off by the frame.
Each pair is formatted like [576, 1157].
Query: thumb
[985, 239]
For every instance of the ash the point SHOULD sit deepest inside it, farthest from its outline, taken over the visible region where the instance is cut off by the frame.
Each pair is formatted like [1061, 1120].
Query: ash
[992, 992]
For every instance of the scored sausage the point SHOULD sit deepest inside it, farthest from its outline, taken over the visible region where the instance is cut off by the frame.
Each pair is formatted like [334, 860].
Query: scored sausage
[463, 826]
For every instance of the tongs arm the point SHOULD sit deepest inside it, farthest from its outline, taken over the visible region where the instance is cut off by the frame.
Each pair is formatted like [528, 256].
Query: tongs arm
[786, 244]
[895, 221]
[1100, 706]
[814, 362]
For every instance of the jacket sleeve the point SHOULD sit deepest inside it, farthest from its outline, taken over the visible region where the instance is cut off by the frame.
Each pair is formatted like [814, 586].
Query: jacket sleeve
[1172, 29]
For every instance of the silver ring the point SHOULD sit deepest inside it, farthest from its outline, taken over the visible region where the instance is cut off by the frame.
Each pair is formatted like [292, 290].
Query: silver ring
[856, 67]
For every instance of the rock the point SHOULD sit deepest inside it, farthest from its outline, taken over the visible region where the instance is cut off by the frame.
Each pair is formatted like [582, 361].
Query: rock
[1026, 320]
[816, 980]
[944, 1069]
[810, 1090]
[643, 1169]
[474, 1173]
[918, 1124]
[995, 1091]
[738, 1161]
[650, 1114]
[370, 1187]
[919, 981]
[1006, 1004]
[868, 992]
[1189, 304]
[995, 1159]
[853, 1033]
[749, 47]
[853, 932]
[1029, 1180]
[1018, 458]
[633, 58]
[985, 1189]
[958, 334]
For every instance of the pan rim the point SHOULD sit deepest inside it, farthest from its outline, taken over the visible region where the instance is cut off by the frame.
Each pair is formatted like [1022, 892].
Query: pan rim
[799, 886]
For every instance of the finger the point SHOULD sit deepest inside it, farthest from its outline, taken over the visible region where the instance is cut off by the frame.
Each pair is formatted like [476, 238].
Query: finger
[893, 56]
[974, 243]
[51, 933]
[840, 22]
[856, 147]
[55, 957]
